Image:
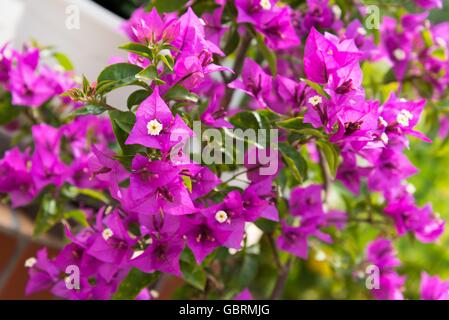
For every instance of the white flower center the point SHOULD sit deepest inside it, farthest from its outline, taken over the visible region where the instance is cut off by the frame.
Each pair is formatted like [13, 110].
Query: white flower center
[320, 256]
[404, 117]
[154, 127]
[30, 262]
[336, 11]
[383, 122]
[221, 216]
[361, 31]
[399, 54]
[265, 4]
[384, 138]
[315, 100]
[155, 294]
[441, 42]
[410, 188]
[7, 53]
[136, 254]
[107, 233]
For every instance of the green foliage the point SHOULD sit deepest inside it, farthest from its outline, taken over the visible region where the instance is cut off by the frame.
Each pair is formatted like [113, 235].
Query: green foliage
[134, 282]
[8, 112]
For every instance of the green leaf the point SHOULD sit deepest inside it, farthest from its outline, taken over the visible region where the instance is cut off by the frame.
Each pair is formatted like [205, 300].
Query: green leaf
[428, 38]
[122, 123]
[94, 109]
[137, 97]
[86, 84]
[138, 49]
[248, 270]
[168, 61]
[187, 182]
[94, 194]
[180, 93]
[298, 126]
[202, 6]
[294, 161]
[267, 53]
[167, 5]
[267, 226]
[134, 282]
[269, 114]
[317, 87]
[331, 154]
[8, 112]
[64, 61]
[118, 75]
[439, 53]
[148, 74]
[250, 120]
[232, 40]
[193, 274]
[77, 215]
[50, 213]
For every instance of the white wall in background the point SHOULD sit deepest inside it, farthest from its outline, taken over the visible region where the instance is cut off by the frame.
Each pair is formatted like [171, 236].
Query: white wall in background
[89, 48]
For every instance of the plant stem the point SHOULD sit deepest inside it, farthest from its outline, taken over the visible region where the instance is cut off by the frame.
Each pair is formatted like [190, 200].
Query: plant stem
[238, 65]
[277, 261]
[326, 174]
[281, 280]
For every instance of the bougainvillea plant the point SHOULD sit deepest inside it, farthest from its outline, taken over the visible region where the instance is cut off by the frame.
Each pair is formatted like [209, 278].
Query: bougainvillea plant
[316, 199]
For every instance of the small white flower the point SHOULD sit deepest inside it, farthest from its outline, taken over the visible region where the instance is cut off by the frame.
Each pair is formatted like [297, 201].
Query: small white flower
[383, 122]
[320, 256]
[297, 221]
[136, 254]
[315, 100]
[336, 11]
[107, 233]
[265, 4]
[221, 216]
[441, 42]
[154, 127]
[404, 117]
[155, 294]
[30, 262]
[410, 188]
[361, 31]
[108, 210]
[7, 53]
[399, 54]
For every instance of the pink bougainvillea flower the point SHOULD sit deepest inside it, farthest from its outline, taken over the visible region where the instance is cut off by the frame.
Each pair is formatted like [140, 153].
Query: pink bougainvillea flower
[150, 27]
[214, 114]
[381, 254]
[42, 272]
[433, 288]
[429, 4]
[28, 88]
[318, 15]
[295, 239]
[400, 116]
[156, 127]
[15, 177]
[244, 295]
[322, 57]
[255, 82]
[204, 233]
[420, 221]
[306, 202]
